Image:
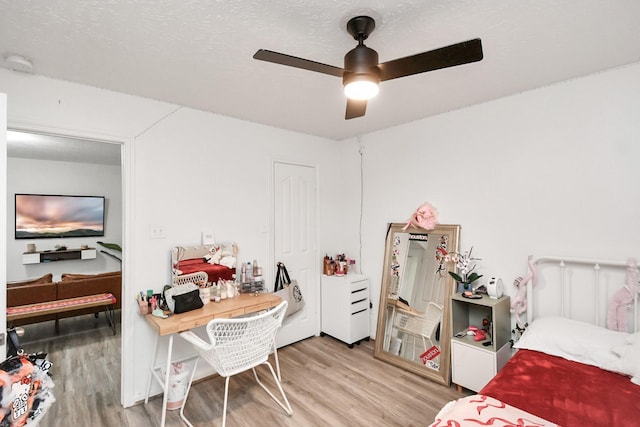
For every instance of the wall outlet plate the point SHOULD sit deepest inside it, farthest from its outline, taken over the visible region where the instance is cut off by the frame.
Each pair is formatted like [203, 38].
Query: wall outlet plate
[208, 238]
[157, 232]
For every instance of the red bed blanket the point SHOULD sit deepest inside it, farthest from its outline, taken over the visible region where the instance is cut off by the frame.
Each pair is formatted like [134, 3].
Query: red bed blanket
[565, 392]
[214, 271]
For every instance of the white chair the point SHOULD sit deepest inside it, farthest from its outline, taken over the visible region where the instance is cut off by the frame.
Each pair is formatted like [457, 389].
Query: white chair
[197, 278]
[423, 325]
[237, 345]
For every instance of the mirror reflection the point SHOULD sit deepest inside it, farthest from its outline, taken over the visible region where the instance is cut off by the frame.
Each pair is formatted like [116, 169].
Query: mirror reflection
[413, 317]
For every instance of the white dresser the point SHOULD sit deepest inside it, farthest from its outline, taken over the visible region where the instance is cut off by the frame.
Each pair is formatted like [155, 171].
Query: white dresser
[346, 308]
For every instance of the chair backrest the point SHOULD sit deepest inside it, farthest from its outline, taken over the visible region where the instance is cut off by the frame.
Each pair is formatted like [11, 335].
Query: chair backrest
[433, 317]
[422, 324]
[239, 344]
[197, 278]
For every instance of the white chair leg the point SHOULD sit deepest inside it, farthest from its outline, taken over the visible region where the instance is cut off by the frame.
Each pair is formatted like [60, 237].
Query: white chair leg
[275, 354]
[226, 397]
[285, 406]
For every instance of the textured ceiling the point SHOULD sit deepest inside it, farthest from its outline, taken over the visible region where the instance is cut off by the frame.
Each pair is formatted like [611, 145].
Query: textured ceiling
[54, 148]
[198, 53]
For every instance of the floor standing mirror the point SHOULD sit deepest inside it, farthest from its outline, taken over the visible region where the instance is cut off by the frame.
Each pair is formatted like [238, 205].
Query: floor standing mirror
[413, 322]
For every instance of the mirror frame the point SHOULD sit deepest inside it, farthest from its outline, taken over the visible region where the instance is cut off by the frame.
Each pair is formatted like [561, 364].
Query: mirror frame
[443, 376]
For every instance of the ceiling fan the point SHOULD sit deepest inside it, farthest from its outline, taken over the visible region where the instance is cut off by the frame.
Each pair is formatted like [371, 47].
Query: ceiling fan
[362, 73]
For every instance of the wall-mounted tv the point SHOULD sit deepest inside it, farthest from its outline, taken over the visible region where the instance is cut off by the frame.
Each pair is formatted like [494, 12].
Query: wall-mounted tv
[45, 216]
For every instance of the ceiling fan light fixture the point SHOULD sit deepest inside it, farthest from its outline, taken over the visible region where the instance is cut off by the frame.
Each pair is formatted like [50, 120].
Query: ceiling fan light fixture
[361, 88]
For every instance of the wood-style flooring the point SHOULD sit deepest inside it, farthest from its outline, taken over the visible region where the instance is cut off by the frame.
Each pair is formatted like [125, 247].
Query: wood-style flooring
[327, 384]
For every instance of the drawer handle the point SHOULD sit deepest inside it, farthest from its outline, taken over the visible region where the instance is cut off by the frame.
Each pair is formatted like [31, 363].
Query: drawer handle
[359, 311]
[360, 300]
[359, 290]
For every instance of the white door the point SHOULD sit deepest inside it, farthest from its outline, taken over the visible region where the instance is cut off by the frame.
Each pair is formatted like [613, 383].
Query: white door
[3, 225]
[295, 244]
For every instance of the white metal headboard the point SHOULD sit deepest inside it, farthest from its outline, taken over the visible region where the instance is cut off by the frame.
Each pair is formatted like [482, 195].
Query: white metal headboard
[602, 290]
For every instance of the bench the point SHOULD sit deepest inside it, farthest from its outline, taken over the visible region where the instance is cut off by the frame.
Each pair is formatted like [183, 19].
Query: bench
[26, 311]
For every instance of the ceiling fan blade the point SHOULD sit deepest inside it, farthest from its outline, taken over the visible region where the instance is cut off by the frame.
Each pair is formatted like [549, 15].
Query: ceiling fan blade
[292, 61]
[355, 108]
[449, 56]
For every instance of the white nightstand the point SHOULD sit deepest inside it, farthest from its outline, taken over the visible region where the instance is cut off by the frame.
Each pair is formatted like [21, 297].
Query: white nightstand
[474, 364]
[345, 308]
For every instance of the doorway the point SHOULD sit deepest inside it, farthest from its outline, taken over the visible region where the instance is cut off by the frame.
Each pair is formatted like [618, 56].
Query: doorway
[53, 163]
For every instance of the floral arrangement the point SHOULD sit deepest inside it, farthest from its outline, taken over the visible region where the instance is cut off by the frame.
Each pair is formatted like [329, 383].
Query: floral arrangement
[464, 267]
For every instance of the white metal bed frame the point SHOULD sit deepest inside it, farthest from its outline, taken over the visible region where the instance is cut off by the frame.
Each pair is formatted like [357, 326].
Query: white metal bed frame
[562, 264]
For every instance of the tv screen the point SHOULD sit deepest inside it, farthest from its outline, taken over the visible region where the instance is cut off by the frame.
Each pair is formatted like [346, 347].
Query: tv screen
[44, 216]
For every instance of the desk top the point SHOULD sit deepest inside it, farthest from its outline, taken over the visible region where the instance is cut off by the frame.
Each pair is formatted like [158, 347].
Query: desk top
[230, 307]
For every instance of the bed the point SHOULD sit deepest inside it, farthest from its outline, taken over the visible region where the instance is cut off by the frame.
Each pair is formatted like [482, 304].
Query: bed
[578, 360]
[218, 261]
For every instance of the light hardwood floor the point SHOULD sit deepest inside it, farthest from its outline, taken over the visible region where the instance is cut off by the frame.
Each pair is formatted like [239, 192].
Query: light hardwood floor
[327, 384]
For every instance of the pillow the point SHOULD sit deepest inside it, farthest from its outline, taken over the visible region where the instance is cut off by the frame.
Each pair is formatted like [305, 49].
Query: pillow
[68, 277]
[633, 338]
[47, 278]
[574, 340]
[629, 360]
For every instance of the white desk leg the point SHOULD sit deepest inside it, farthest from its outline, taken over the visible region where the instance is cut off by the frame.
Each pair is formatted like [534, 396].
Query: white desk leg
[166, 381]
[153, 363]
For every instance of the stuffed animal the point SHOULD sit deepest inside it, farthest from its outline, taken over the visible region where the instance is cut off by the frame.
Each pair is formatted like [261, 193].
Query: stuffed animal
[214, 255]
[519, 303]
[426, 216]
[621, 301]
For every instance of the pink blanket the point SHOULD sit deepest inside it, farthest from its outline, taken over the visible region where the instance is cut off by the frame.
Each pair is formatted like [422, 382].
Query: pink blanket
[479, 410]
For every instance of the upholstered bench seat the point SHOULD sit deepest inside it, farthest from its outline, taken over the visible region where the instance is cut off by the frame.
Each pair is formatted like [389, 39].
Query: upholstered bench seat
[63, 305]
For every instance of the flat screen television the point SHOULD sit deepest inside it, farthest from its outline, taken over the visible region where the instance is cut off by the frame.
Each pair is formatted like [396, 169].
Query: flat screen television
[45, 216]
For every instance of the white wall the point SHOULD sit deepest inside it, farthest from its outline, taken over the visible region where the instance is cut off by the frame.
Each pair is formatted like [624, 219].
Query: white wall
[548, 171]
[190, 171]
[49, 177]
[553, 171]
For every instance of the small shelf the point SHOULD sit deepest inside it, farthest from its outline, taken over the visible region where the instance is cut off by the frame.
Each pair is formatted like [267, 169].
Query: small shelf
[473, 363]
[52, 256]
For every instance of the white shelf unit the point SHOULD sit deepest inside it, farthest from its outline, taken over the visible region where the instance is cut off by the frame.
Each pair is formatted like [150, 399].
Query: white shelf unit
[474, 364]
[51, 256]
[346, 308]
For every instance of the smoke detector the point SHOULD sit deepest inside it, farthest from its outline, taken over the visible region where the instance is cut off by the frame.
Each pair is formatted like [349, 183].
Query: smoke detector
[18, 63]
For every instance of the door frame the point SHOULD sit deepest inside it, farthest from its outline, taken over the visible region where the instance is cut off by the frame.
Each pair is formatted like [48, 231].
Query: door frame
[126, 165]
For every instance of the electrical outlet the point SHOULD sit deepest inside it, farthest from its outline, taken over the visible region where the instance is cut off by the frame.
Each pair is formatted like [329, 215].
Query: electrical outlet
[157, 232]
[208, 238]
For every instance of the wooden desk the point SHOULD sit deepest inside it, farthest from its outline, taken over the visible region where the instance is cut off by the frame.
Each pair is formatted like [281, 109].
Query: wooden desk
[176, 323]
[230, 307]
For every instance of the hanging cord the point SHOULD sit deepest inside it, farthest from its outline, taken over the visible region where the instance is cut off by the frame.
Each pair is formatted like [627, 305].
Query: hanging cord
[361, 151]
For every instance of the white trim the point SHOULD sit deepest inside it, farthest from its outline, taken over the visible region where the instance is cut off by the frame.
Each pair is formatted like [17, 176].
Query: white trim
[3, 222]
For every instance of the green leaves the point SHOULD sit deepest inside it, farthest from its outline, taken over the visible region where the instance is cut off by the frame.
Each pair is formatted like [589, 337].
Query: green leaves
[473, 277]
[112, 246]
[470, 279]
[456, 276]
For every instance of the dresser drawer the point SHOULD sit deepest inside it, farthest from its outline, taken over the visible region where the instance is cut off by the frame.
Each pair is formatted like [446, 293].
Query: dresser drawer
[359, 305]
[359, 294]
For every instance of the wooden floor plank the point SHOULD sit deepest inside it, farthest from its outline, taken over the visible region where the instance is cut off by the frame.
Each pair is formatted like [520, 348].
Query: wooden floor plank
[327, 383]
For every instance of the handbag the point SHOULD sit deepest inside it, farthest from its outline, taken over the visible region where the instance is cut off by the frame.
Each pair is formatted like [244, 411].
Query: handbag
[171, 292]
[187, 301]
[288, 290]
